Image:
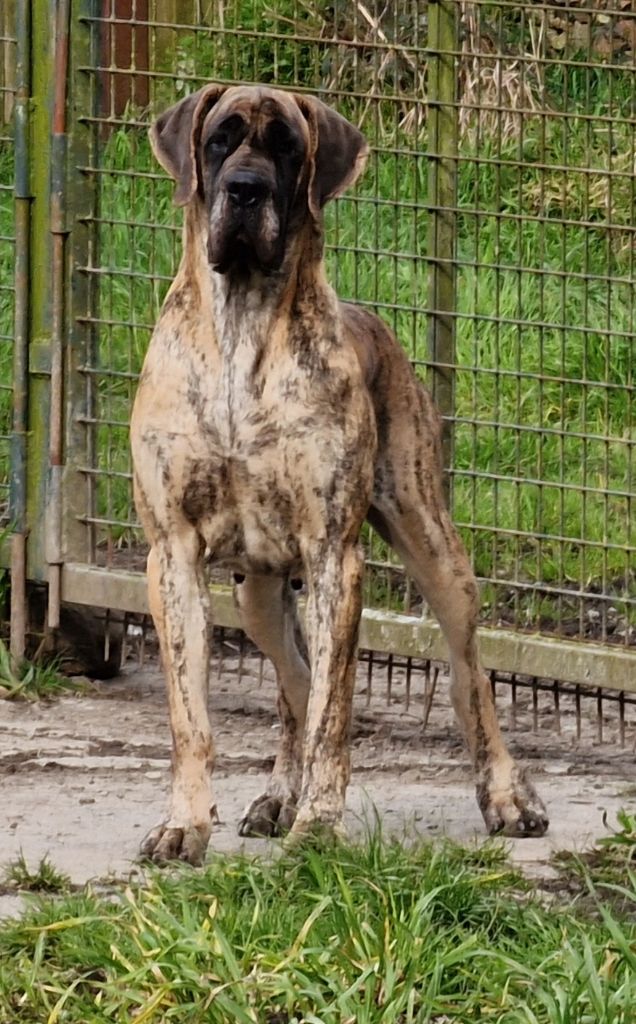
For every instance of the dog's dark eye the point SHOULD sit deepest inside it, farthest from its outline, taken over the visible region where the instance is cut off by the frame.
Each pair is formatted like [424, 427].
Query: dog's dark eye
[281, 138]
[226, 136]
[218, 143]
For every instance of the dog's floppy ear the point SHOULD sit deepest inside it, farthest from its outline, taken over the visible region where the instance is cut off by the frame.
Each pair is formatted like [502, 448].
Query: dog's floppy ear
[338, 150]
[175, 135]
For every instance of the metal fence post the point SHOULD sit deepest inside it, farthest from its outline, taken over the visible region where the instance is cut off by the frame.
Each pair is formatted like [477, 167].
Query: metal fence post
[81, 302]
[442, 203]
[58, 228]
[22, 193]
[40, 300]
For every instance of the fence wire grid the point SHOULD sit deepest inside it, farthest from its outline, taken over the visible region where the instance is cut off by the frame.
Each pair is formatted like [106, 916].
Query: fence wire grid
[493, 230]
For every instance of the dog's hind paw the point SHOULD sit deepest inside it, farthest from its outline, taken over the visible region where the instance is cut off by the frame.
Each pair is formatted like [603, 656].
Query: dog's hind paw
[166, 843]
[516, 811]
[268, 816]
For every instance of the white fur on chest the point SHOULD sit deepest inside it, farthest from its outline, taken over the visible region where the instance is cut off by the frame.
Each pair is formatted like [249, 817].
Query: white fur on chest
[243, 322]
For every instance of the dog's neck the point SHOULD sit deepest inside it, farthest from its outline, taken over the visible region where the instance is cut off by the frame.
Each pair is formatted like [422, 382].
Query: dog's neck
[246, 304]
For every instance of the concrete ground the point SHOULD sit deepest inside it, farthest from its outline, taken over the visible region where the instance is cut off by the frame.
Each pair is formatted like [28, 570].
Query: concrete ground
[84, 777]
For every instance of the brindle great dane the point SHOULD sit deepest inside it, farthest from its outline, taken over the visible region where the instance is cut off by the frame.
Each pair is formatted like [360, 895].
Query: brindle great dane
[270, 420]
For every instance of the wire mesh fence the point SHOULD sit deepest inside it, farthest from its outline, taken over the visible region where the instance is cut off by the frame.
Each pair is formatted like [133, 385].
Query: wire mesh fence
[493, 230]
[543, 468]
[368, 61]
[543, 423]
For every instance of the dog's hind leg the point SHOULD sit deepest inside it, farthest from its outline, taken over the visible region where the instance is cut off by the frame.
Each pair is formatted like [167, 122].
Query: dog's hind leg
[408, 509]
[267, 606]
[178, 600]
[426, 541]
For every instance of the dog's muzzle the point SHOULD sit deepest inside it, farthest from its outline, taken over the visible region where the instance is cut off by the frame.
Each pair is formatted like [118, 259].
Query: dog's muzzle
[246, 190]
[245, 226]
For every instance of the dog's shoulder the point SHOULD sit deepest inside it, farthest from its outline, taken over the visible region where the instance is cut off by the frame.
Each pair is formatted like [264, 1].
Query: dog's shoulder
[395, 389]
[379, 352]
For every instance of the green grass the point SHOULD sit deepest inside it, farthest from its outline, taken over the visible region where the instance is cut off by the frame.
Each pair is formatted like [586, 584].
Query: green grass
[543, 457]
[377, 932]
[44, 877]
[612, 862]
[31, 680]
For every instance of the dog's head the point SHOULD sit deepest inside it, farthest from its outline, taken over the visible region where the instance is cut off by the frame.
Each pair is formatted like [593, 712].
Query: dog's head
[260, 161]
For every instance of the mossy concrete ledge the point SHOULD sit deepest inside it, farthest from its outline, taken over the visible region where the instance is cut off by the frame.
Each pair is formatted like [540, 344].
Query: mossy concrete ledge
[590, 665]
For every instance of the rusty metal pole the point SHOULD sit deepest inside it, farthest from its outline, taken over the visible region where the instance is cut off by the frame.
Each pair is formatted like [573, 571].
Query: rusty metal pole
[59, 232]
[22, 196]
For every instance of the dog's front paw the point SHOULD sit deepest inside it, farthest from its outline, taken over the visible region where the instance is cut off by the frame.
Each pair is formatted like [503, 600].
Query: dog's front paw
[515, 810]
[167, 842]
[268, 815]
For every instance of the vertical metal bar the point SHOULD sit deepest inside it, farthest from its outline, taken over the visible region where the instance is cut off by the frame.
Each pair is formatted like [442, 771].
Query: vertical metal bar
[599, 714]
[428, 699]
[369, 677]
[58, 231]
[442, 185]
[241, 658]
[40, 302]
[409, 672]
[220, 646]
[82, 286]
[513, 702]
[577, 701]
[21, 334]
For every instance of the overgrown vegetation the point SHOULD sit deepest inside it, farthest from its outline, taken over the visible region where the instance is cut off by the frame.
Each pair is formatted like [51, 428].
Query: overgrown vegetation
[544, 441]
[378, 932]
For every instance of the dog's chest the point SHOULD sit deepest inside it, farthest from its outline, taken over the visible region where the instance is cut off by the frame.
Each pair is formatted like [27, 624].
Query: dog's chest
[265, 454]
[262, 401]
[255, 442]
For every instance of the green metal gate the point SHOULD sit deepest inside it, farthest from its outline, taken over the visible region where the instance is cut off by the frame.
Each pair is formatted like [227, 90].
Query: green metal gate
[493, 230]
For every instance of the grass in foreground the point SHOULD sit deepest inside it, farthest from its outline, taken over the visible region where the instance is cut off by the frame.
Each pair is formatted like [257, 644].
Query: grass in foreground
[377, 932]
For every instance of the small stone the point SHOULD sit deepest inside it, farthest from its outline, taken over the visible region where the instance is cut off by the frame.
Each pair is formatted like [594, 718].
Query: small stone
[87, 799]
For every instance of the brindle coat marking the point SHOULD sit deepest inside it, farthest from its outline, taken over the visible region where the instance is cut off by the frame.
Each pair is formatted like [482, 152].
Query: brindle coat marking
[270, 420]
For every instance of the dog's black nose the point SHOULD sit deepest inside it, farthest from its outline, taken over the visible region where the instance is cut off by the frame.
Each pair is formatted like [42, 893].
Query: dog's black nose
[246, 189]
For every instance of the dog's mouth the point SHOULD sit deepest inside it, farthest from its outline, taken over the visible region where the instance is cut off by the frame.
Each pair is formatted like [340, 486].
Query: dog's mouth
[243, 252]
[237, 255]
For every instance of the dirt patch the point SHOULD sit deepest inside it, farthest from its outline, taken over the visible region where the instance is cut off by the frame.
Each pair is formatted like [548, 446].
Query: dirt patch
[86, 776]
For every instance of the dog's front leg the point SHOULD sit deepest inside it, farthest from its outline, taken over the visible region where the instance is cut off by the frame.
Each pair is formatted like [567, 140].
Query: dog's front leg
[334, 606]
[179, 604]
